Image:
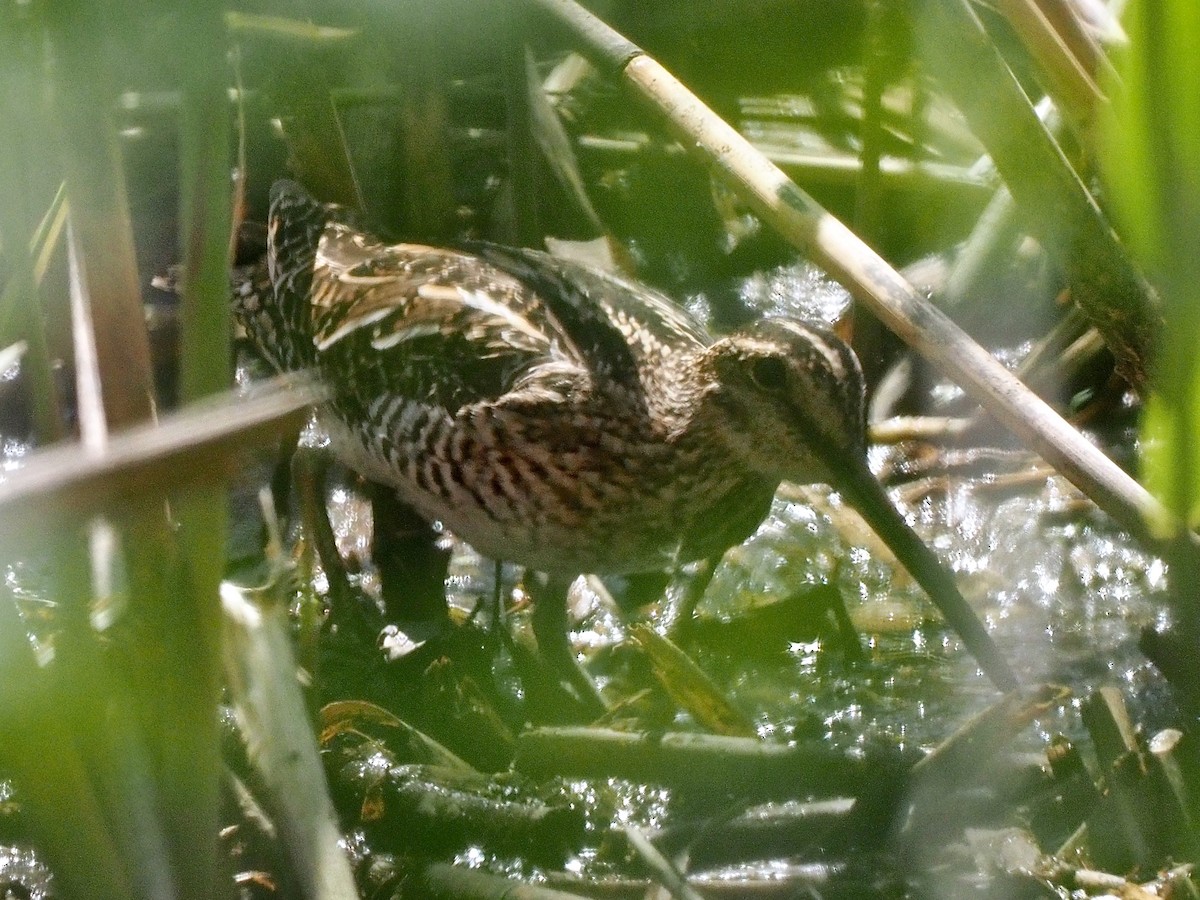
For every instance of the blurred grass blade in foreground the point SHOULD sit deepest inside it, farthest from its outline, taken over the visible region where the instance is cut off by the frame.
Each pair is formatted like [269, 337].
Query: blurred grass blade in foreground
[1152, 165]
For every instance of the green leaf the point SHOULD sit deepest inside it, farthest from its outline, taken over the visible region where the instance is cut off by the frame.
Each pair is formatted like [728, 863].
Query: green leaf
[1151, 162]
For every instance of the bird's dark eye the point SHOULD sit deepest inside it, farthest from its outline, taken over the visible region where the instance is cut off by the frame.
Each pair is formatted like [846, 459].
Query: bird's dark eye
[769, 373]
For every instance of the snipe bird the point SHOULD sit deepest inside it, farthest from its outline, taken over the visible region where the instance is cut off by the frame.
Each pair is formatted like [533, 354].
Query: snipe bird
[562, 418]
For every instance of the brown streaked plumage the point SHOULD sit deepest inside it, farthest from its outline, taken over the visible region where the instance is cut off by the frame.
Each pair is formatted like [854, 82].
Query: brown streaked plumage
[562, 418]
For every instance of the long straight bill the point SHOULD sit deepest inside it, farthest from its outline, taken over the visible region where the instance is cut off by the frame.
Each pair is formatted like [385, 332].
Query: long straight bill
[866, 494]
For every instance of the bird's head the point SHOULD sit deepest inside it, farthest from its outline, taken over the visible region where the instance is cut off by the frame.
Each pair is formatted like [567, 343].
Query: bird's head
[791, 400]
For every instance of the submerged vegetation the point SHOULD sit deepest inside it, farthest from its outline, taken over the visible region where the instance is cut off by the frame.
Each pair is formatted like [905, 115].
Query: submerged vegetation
[794, 721]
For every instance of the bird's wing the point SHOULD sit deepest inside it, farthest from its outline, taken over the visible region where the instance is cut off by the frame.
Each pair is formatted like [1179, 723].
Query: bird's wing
[621, 326]
[431, 323]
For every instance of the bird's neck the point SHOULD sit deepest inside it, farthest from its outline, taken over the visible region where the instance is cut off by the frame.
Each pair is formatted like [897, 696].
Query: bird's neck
[685, 392]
